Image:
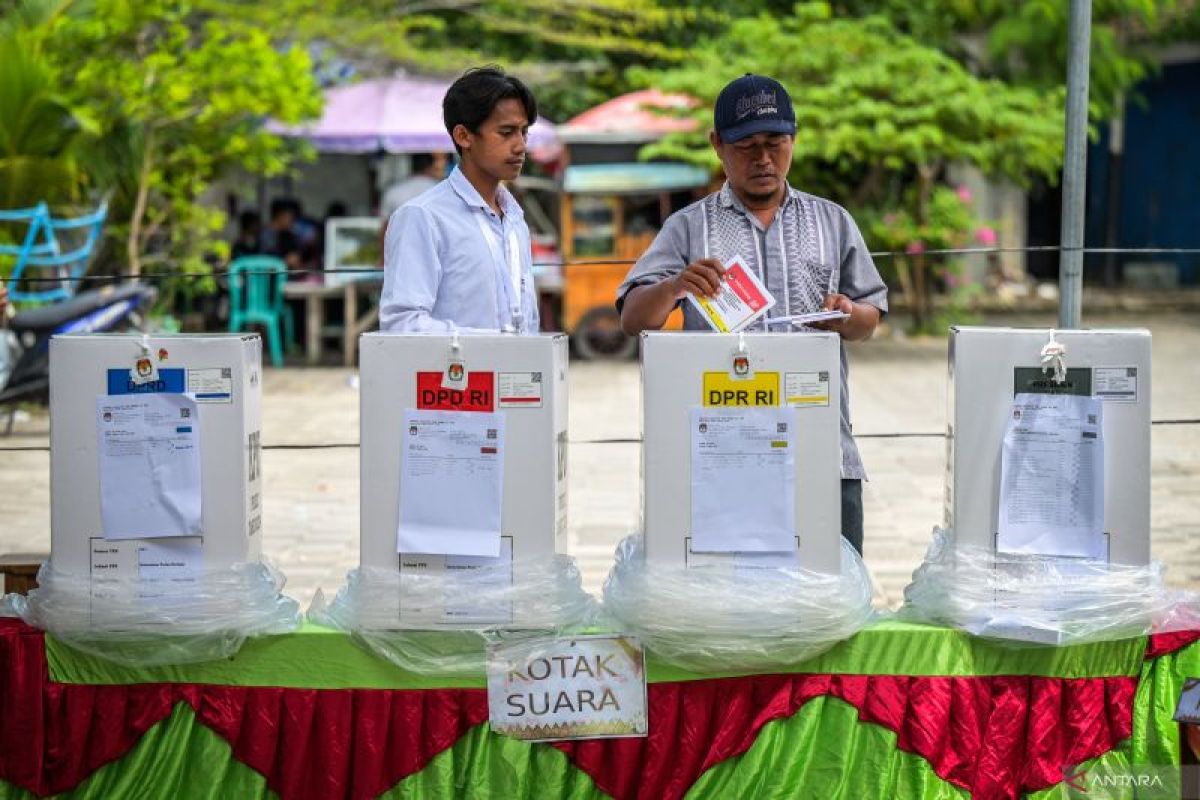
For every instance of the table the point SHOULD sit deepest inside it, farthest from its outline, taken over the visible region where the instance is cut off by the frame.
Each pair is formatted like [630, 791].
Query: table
[348, 289]
[18, 571]
[899, 710]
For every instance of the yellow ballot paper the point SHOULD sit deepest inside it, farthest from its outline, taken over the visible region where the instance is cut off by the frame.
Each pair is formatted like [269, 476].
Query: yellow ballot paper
[742, 299]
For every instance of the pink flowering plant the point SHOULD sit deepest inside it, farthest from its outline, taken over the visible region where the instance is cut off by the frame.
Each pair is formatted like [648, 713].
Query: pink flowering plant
[914, 232]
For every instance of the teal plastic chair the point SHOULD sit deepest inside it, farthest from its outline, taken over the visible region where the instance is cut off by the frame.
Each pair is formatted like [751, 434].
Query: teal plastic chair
[256, 297]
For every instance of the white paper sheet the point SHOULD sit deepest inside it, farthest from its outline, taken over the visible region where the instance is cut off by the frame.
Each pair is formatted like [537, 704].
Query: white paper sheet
[149, 447]
[806, 319]
[743, 480]
[451, 488]
[1052, 477]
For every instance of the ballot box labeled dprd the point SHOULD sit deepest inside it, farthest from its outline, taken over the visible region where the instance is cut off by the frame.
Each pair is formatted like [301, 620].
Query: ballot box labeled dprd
[155, 454]
[463, 463]
[1048, 442]
[741, 461]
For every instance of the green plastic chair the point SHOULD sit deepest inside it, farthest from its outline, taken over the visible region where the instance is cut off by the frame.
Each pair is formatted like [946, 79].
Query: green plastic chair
[256, 297]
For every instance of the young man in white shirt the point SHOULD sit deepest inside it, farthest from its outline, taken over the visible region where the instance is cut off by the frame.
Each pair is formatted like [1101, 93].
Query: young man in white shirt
[458, 256]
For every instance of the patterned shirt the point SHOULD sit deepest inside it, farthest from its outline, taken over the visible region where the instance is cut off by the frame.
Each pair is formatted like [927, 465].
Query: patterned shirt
[811, 248]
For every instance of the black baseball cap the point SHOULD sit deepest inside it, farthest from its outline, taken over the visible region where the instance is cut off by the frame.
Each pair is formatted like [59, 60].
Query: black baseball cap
[753, 104]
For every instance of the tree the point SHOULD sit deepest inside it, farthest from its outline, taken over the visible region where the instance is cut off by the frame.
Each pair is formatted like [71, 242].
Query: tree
[179, 91]
[1026, 42]
[40, 129]
[877, 111]
[574, 53]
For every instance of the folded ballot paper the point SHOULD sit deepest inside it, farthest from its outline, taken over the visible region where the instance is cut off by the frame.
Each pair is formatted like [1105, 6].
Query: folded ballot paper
[743, 299]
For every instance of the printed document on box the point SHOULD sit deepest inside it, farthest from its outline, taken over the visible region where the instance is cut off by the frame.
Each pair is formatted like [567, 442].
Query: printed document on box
[741, 300]
[149, 447]
[1052, 477]
[743, 480]
[451, 485]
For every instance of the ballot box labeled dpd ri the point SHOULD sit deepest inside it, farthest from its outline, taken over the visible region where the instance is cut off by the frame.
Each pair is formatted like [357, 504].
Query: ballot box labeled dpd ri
[463, 462]
[741, 461]
[155, 454]
[1048, 442]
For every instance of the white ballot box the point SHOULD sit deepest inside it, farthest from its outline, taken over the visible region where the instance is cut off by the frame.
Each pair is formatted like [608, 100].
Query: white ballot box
[155, 453]
[1041, 466]
[741, 457]
[463, 461]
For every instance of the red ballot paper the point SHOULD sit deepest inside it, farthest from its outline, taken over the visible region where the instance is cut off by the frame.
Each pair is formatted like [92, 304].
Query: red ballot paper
[742, 299]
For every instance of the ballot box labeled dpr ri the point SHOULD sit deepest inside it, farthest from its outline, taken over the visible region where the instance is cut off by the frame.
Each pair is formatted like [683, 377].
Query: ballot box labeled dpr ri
[155, 454]
[463, 465]
[741, 461]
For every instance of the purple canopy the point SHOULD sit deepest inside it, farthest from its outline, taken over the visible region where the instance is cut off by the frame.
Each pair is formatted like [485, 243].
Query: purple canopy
[398, 115]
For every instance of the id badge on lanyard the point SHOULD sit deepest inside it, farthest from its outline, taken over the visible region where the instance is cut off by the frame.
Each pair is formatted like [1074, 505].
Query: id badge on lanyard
[515, 288]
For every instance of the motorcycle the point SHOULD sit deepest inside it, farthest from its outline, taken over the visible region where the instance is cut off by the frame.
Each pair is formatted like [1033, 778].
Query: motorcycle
[110, 308]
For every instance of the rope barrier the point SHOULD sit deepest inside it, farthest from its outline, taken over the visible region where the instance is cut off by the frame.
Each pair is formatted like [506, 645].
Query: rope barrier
[153, 276]
[354, 445]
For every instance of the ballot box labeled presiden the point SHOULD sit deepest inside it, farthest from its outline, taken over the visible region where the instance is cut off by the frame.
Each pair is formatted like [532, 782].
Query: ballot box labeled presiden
[1048, 442]
[463, 463]
[741, 461]
[155, 454]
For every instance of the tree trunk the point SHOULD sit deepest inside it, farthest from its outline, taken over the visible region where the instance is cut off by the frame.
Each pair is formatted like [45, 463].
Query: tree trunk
[133, 244]
[922, 285]
[904, 274]
[869, 186]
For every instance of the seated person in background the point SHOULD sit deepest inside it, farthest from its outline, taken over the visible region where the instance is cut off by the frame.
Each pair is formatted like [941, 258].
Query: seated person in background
[278, 239]
[428, 169]
[308, 234]
[249, 235]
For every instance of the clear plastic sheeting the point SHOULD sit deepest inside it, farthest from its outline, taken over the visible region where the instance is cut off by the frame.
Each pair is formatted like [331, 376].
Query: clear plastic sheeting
[143, 622]
[1042, 599]
[725, 619]
[439, 623]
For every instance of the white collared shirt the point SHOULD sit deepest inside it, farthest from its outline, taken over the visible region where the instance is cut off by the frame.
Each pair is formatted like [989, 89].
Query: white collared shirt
[443, 273]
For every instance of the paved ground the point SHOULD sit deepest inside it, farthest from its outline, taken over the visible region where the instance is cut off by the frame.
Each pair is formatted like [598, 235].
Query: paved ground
[311, 496]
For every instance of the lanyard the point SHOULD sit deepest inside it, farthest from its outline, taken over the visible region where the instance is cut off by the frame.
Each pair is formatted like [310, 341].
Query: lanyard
[514, 282]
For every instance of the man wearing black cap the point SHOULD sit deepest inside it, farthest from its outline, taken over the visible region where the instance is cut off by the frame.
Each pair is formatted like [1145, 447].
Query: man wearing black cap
[806, 250]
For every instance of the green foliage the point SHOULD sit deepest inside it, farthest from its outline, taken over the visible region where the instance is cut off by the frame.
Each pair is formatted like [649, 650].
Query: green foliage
[180, 91]
[40, 128]
[949, 223]
[1026, 42]
[38, 131]
[147, 103]
[573, 52]
[866, 94]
